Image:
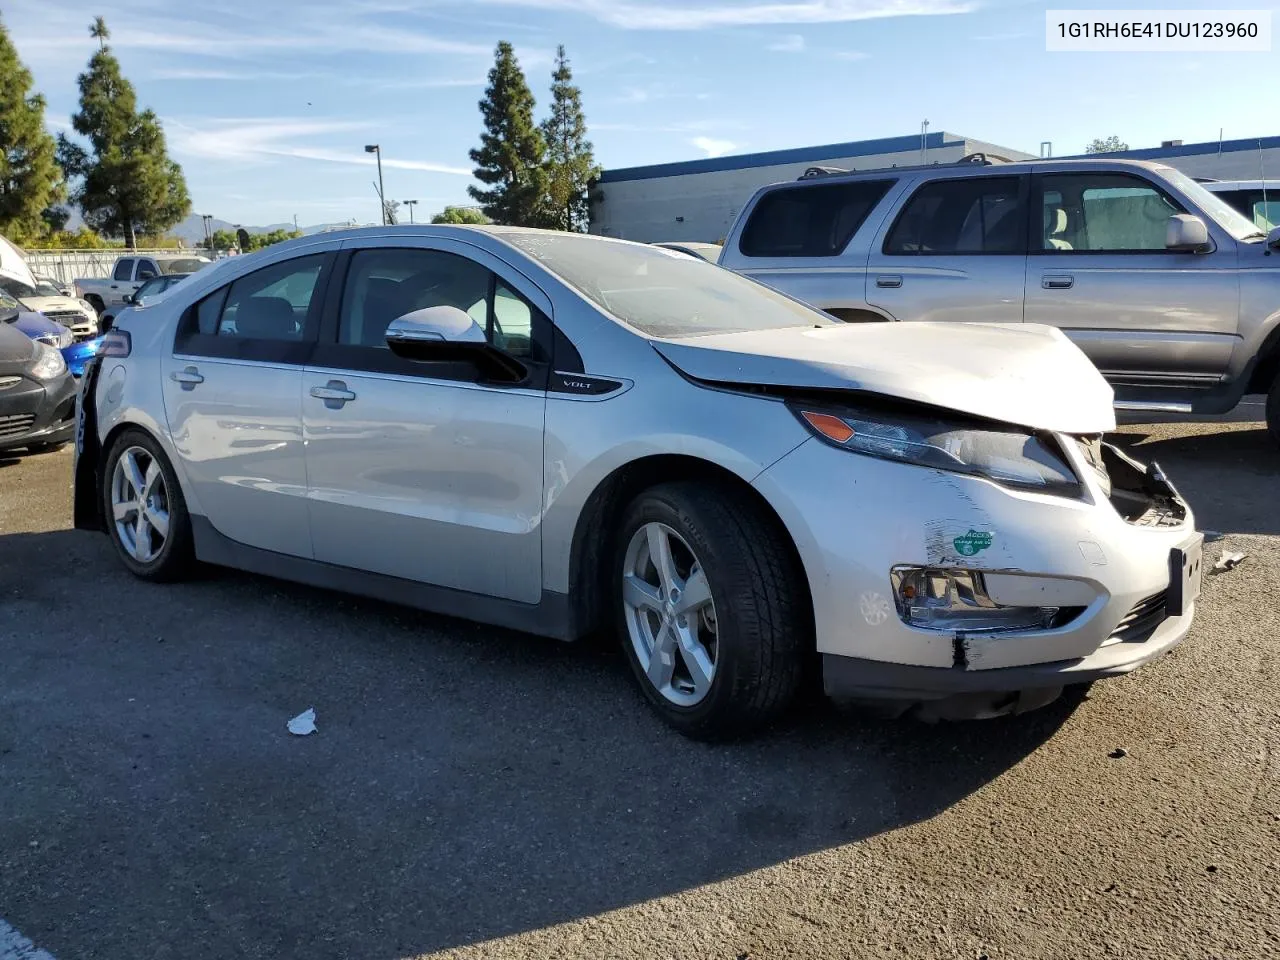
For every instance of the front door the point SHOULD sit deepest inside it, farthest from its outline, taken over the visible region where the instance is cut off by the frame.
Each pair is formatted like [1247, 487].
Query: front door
[1099, 270]
[955, 251]
[423, 471]
[233, 397]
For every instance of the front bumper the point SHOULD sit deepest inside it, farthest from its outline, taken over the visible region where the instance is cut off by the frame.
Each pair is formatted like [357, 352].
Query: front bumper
[854, 518]
[36, 412]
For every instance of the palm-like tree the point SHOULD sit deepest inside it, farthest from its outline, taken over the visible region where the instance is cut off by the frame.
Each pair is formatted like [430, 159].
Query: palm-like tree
[100, 32]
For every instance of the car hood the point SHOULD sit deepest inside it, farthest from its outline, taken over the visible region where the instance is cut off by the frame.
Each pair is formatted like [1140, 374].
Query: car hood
[36, 324]
[56, 304]
[1025, 374]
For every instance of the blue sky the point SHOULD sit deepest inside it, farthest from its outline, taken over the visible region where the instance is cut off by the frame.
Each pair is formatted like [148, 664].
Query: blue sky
[267, 104]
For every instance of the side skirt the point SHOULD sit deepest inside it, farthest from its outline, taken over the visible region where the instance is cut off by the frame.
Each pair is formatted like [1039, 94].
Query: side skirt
[553, 616]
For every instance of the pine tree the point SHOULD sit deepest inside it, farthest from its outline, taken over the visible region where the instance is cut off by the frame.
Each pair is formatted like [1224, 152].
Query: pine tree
[127, 183]
[511, 152]
[571, 165]
[30, 181]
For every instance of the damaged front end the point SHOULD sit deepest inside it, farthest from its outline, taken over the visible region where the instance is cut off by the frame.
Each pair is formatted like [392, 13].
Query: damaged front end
[1140, 493]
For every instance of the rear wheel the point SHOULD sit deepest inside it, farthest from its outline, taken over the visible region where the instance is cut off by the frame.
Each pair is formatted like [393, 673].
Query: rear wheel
[713, 612]
[145, 511]
[1273, 410]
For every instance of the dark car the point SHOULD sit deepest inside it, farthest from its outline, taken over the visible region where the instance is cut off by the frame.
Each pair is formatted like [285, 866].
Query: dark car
[37, 393]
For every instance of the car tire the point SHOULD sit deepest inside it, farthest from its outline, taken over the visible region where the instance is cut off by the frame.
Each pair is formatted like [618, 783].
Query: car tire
[150, 549]
[753, 630]
[1273, 411]
[95, 301]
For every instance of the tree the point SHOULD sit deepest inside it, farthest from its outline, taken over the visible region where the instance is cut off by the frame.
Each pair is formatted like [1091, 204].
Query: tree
[511, 152]
[460, 215]
[127, 185]
[30, 181]
[391, 210]
[1111, 144]
[571, 165]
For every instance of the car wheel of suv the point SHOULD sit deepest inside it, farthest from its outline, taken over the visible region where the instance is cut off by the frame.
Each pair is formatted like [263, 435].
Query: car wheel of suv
[713, 612]
[145, 511]
[1273, 410]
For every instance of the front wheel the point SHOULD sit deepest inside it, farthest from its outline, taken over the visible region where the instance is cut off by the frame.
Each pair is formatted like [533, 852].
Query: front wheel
[713, 611]
[145, 511]
[1273, 411]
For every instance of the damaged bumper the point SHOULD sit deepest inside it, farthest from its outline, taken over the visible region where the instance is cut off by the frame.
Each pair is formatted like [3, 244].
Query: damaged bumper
[1116, 572]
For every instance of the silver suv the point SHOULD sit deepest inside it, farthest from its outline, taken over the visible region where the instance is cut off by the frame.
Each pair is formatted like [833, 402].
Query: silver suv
[1174, 295]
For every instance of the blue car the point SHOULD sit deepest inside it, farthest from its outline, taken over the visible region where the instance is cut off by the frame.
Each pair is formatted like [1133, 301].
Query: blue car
[43, 330]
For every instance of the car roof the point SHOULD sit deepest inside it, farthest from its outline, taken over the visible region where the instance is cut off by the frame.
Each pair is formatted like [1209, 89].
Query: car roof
[966, 169]
[1217, 186]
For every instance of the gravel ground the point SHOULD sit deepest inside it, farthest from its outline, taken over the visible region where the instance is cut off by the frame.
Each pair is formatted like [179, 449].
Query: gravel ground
[477, 792]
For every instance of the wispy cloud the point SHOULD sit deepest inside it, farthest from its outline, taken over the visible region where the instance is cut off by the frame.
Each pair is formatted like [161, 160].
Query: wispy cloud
[671, 15]
[791, 43]
[713, 147]
[264, 140]
[850, 55]
[690, 126]
[198, 73]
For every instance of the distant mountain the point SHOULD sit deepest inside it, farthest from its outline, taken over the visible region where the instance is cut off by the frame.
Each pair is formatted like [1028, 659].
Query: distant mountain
[191, 230]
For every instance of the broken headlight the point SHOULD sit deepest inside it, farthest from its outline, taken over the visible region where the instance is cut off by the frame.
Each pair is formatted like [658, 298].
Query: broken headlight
[952, 599]
[999, 452]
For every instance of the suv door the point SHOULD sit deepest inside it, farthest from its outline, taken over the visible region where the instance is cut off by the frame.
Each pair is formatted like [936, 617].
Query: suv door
[956, 250]
[425, 471]
[233, 397]
[1099, 269]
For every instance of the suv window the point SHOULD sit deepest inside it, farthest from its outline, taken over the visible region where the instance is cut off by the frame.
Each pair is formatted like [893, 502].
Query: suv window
[1103, 213]
[810, 220]
[268, 304]
[977, 215]
[146, 270]
[383, 284]
[124, 269]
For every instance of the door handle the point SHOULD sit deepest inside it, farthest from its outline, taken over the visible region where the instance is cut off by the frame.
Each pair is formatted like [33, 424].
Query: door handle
[888, 281]
[187, 377]
[334, 394]
[1057, 283]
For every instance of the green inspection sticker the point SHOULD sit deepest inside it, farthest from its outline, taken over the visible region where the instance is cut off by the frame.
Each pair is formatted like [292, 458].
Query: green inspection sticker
[972, 542]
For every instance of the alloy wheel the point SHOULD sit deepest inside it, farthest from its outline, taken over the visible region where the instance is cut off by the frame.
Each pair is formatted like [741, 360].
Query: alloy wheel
[140, 504]
[671, 618]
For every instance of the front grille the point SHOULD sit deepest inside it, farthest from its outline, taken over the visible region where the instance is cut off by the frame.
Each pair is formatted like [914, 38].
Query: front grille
[16, 425]
[65, 317]
[1140, 622]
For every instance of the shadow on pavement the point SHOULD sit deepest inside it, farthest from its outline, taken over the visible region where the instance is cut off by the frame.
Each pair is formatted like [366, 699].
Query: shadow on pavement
[466, 783]
[1229, 476]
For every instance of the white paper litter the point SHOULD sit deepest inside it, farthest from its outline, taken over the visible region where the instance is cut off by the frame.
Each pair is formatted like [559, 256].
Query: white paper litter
[303, 723]
[1228, 561]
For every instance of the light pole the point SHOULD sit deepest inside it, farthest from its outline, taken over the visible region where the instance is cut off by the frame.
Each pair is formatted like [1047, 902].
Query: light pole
[382, 197]
[410, 204]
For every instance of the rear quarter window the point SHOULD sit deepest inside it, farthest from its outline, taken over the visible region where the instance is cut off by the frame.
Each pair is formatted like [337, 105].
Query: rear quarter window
[810, 220]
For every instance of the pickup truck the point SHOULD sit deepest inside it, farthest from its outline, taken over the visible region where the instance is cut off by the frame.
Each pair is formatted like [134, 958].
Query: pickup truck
[128, 274]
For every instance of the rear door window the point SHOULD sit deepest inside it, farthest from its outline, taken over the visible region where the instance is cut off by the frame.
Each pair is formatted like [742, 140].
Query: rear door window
[810, 220]
[146, 270]
[124, 269]
[976, 215]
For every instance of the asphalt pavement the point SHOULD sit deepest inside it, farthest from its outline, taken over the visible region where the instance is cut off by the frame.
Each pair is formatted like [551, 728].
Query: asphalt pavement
[477, 792]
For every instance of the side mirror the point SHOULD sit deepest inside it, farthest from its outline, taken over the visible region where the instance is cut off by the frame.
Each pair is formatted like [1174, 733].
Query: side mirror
[446, 334]
[1186, 232]
[1273, 238]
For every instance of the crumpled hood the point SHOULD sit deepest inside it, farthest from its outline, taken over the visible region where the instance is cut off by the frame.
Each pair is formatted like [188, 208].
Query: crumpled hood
[1026, 374]
[55, 304]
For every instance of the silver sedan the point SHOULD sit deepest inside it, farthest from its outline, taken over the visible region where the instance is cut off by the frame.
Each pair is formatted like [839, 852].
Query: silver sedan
[564, 434]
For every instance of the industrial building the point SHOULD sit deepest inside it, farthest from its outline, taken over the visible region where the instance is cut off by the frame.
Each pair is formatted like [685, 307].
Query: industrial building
[698, 199]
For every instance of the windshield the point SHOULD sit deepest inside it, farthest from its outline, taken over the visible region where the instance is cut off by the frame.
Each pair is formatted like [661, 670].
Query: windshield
[662, 293]
[47, 290]
[9, 307]
[16, 288]
[1227, 217]
[180, 266]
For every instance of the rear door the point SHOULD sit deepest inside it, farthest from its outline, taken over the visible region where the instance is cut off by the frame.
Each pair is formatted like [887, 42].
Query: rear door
[1099, 270]
[425, 471]
[956, 250]
[233, 397]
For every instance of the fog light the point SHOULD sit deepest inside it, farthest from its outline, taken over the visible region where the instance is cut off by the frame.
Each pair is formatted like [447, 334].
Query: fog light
[952, 599]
